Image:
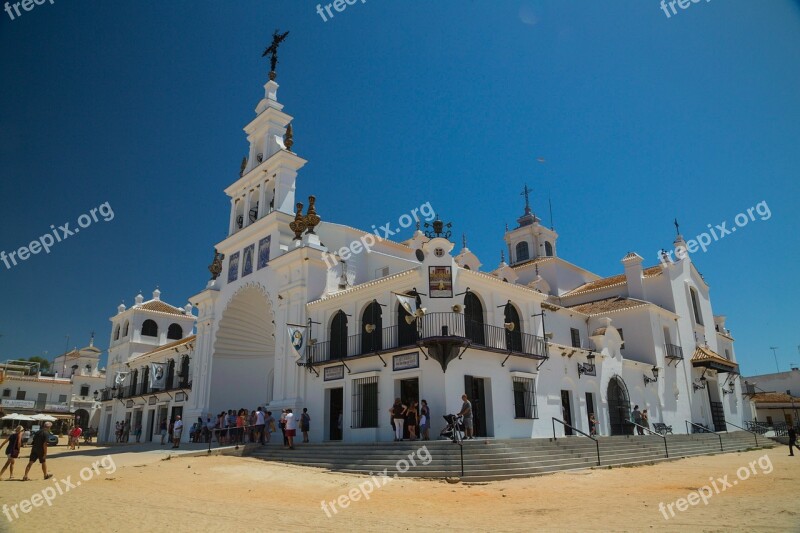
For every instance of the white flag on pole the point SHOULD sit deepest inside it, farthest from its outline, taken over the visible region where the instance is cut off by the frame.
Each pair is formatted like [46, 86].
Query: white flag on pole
[297, 339]
[409, 303]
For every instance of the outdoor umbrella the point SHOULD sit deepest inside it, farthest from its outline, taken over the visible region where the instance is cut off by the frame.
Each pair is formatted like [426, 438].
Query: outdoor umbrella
[16, 416]
[43, 417]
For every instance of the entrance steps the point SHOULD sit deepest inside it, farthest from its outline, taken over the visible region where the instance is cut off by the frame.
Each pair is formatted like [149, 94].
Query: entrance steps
[490, 459]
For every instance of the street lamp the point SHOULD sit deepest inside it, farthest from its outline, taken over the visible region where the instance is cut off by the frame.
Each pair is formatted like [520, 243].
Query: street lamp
[654, 379]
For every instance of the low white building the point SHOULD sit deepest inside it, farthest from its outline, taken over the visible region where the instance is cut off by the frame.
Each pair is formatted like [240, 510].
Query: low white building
[69, 391]
[532, 340]
[149, 333]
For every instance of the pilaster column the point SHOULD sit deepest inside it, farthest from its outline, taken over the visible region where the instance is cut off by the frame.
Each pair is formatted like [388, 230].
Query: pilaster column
[262, 199]
[246, 214]
[232, 225]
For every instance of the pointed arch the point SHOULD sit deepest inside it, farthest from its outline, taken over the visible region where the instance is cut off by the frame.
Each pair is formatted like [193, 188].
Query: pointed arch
[514, 335]
[473, 318]
[338, 335]
[373, 316]
[619, 406]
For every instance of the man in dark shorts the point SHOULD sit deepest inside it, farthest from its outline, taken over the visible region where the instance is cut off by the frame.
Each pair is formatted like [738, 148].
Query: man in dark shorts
[792, 440]
[39, 451]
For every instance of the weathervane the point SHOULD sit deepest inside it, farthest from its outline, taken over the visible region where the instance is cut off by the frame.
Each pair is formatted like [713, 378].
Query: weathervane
[272, 51]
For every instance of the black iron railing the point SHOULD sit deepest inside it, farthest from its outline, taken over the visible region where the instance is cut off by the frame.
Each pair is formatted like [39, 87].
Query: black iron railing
[428, 326]
[702, 429]
[755, 435]
[650, 431]
[132, 391]
[674, 351]
[596, 442]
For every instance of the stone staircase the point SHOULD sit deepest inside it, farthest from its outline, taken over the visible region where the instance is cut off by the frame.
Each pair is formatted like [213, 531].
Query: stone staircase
[490, 459]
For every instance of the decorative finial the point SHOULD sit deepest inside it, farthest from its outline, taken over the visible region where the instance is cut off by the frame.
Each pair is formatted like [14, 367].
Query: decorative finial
[244, 165]
[288, 139]
[677, 228]
[298, 226]
[272, 51]
[502, 256]
[311, 219]
[216, 265]
[506, 227]
[417, 225]
[463, 240]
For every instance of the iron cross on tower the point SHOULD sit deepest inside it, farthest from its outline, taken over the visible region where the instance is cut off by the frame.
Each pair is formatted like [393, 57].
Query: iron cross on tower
[272, 51]
[526, 193]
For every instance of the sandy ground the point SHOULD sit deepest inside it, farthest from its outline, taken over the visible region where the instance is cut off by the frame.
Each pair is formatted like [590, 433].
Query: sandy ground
[145, 492]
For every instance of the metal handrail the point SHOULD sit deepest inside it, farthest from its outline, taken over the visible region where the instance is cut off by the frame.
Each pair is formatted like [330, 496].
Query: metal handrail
[740, 427]
[666, 450]
[596, 442]
[705, 429]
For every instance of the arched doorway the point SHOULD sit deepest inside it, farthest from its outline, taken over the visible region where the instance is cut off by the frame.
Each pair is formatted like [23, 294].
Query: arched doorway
[406, 332]
[619, 407]
[244, 352]
[82, 418]
[513, 335]
[372, 319]
[338, 336]
[473, 318]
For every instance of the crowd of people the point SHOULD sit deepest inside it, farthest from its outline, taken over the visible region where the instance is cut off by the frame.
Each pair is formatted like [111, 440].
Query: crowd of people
[234, 427]
[413, 419]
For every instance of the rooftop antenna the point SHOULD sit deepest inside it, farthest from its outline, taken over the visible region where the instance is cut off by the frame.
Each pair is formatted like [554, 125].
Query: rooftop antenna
[550, 203]
[775, 355]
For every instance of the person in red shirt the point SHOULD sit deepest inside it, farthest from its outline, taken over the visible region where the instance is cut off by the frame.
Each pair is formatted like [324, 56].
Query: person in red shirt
[74, 437]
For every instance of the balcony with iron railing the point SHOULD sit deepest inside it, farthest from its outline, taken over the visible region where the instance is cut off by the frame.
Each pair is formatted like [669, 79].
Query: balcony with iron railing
[433, 325]
[142, 389]
[673, 351]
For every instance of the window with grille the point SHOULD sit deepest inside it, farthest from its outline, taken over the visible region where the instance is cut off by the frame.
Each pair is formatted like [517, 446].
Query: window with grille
[365, 403]
[524, 398]
[576, 337]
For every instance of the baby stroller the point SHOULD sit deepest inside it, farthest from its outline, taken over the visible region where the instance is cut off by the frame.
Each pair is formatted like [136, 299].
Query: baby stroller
[454, 430]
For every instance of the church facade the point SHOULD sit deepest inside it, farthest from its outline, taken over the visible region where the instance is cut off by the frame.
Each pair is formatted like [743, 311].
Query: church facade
[282, 325]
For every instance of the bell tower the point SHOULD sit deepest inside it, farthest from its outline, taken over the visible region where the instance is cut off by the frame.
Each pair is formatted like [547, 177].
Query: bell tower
[530, 239]
[267, 176]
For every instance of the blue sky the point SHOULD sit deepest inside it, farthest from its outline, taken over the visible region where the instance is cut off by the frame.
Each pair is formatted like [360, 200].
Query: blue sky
[640, 119]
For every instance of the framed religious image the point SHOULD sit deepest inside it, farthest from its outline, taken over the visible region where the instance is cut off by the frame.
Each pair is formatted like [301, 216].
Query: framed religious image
[263, 252]
[233, 268]
[247, 260]
[440, 282]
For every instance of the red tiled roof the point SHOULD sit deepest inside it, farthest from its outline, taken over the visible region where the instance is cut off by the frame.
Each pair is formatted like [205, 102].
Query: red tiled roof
[607, 305]
[612, 281]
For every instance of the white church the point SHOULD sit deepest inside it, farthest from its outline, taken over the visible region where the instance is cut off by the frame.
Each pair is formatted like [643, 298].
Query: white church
[530, 340]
